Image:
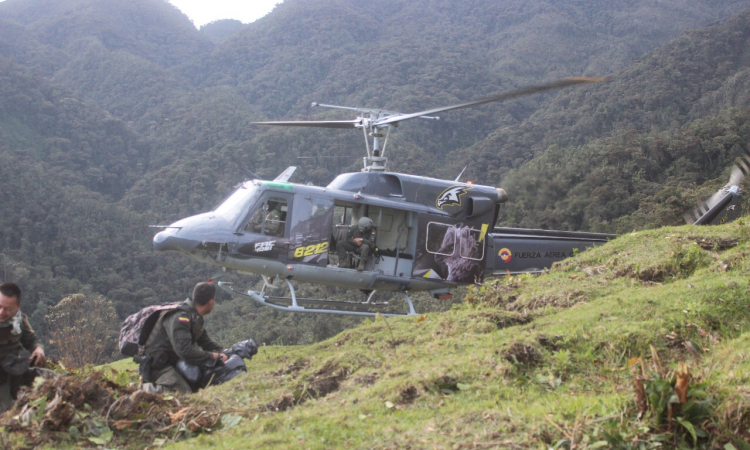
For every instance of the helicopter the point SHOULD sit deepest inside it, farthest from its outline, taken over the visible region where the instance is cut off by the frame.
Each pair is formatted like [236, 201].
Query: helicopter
[429, 234]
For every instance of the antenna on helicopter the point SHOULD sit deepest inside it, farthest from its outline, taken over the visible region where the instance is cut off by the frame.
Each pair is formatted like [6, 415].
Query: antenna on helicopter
[459, 175]
[374, 121]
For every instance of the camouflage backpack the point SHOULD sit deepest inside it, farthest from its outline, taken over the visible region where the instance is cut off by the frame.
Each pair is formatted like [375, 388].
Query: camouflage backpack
[137, 327]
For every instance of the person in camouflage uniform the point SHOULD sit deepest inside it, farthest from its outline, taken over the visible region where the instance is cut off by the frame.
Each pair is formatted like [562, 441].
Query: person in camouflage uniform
[274, 224]
[360, 239]
[16, 334]
[179, 334]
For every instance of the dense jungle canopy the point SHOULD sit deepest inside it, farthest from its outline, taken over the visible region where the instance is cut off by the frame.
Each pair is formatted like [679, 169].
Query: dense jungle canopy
[119, 114]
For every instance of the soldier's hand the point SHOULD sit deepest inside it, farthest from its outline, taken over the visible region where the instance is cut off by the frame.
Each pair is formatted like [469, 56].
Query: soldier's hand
[40, 360]
[223, 356]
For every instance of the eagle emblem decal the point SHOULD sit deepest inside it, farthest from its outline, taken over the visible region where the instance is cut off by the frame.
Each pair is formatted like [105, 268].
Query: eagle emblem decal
[451, 196]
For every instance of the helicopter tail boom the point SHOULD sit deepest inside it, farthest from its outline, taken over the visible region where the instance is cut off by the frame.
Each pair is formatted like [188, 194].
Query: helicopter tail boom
[519, 250]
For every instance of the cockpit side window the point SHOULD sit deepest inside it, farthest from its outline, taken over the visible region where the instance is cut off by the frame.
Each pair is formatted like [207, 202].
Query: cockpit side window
[269, 218]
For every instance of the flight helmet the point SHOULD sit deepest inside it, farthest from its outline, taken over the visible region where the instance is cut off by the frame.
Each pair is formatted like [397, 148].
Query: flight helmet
[365, 224]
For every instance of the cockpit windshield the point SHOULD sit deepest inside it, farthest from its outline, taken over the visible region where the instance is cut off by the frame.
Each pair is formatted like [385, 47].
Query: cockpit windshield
[235, 207]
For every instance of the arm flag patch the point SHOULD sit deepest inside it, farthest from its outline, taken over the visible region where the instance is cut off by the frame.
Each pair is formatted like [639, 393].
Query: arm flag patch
[184, 319]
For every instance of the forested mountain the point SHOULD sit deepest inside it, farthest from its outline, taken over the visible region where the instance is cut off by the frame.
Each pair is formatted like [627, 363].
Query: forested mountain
[676, 117]
[219, 30]
[152, 29]
[116, 115]
[698, 74]
[65, 164]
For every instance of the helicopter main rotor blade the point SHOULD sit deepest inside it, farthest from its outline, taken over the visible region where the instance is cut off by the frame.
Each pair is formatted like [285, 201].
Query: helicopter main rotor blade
[313, 123]
[495, 98]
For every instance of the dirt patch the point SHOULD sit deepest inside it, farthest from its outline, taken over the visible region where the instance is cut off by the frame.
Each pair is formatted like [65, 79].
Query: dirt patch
[408, 395]
[648, 275]
[553, 343]
[653, 274]
[293, 367]
[321, 383]
[504, 319]
[523, 354]
[367, 379]
[718, 245]
[282, 404]
[326, 380]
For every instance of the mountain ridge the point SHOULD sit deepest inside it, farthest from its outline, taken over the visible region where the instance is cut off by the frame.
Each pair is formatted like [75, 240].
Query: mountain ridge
[170, 111]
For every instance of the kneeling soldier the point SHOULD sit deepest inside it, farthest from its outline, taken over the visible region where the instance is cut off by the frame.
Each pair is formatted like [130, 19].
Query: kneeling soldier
[179, 334]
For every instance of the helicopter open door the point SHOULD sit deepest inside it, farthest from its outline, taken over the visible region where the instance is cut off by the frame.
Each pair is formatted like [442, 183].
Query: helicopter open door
[395, 240]
[395, 236]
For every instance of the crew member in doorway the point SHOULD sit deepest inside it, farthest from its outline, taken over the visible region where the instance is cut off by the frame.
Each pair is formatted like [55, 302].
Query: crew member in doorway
[360, 239]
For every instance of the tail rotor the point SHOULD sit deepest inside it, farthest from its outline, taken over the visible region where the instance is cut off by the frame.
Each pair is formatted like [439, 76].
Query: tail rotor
[724, 206]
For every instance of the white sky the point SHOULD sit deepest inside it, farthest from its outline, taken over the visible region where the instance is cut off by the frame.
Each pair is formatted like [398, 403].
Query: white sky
[204, 11]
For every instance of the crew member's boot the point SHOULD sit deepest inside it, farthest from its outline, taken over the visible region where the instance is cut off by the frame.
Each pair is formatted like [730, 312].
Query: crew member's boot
[341, 253]
[364, 253]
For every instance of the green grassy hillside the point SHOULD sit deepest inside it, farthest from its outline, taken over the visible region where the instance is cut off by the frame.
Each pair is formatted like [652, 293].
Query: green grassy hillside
[525, 362]
[532, 361]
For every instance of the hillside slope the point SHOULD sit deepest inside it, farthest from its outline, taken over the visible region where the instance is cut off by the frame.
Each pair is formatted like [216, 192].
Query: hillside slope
[527, 361]
[531, 361]
[413, 56]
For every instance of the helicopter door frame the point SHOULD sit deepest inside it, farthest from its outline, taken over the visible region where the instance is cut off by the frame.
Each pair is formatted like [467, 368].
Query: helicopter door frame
[395, 239]
[310, 229]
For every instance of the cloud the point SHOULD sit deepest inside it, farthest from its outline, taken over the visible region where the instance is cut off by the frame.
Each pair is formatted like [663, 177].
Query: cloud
[202, 12]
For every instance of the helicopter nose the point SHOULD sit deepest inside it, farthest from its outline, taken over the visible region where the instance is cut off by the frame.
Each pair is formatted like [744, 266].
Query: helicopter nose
[168, 241]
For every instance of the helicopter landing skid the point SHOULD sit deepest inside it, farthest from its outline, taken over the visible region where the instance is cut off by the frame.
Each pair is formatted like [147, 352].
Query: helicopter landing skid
[266, 300]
